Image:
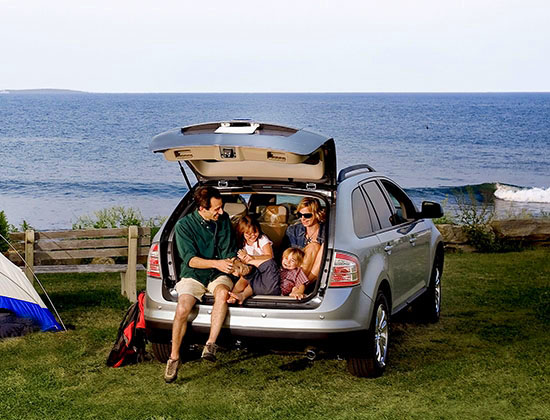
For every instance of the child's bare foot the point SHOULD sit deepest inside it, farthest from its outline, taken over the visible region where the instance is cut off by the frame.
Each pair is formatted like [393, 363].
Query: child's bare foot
[236, 297]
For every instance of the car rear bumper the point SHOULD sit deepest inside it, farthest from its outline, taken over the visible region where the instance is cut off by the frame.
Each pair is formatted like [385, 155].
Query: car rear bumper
[339, 311]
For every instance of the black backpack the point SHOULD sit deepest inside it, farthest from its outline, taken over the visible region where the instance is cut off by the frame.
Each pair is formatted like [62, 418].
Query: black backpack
[129, 347]
[13, 326]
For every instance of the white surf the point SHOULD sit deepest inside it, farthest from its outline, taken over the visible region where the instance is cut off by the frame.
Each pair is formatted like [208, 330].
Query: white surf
[524, 195]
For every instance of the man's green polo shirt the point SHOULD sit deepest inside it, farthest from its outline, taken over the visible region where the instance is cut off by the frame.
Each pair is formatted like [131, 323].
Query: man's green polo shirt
[194, 238]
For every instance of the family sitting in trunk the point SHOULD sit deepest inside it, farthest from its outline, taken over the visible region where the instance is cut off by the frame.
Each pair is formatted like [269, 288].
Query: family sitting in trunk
[210, 260]
[300, 262]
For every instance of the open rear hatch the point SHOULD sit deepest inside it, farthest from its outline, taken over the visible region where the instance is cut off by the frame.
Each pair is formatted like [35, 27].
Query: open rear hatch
[244, 150]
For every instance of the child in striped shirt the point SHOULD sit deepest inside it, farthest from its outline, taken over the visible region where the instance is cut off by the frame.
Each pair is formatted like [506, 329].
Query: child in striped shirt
[293, 278]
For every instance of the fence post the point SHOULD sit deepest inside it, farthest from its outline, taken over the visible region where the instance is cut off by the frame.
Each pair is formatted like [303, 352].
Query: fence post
[130, 277]
[29, 254]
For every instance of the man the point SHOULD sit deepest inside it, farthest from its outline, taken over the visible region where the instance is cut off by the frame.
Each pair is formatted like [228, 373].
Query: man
[206, 246]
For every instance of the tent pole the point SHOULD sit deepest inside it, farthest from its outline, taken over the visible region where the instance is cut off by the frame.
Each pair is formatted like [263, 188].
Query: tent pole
[38, 281]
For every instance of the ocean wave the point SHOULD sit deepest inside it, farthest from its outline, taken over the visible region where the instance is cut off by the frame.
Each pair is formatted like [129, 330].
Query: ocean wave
[481, 192]
[524, 195]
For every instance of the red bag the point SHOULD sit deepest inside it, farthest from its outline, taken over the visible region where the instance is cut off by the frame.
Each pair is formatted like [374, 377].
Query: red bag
[129, 347]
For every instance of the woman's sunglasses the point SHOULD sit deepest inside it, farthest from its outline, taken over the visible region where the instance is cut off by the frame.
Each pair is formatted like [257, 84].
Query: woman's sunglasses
[306, 215]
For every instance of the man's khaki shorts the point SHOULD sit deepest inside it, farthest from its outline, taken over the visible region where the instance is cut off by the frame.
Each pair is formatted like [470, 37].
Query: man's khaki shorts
[190, 286]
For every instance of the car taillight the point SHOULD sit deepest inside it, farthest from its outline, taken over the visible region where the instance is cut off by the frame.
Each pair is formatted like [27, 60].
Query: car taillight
[345, 271]
[153, 263]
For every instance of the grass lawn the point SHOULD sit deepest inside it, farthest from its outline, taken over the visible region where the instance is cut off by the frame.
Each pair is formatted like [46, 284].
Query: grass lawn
[488, 358]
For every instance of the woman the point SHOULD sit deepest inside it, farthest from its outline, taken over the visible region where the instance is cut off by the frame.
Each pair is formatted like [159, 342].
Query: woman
[309, 235]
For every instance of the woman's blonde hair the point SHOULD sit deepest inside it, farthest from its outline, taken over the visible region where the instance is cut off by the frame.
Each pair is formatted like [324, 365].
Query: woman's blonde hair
[315, 206]
[296, 253]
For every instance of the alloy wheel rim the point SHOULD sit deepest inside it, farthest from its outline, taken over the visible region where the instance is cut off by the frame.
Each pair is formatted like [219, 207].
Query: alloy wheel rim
[381, 335]
[437, 289]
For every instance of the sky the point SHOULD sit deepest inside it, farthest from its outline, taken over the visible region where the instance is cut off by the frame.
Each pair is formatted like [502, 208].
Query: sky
[276, 46]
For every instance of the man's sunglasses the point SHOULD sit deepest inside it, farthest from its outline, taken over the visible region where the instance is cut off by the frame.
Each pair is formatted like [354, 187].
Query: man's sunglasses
[306, 215]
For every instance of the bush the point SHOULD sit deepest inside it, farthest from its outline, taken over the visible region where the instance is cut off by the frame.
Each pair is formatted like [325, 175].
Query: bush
[116, 217]
[447, 217]
[4, 231]
[25, 226]
[113, 217]
[475, 219]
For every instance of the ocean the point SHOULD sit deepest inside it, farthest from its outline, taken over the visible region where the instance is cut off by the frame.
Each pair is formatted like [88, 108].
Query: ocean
[67, 155]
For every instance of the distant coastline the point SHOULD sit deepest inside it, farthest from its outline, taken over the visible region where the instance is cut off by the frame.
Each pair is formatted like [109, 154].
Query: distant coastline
[39, 91]
[313, 93]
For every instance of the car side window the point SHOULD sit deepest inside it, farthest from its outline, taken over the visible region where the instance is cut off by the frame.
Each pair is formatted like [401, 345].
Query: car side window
[404, 207]
[361, 218]
[378, 201]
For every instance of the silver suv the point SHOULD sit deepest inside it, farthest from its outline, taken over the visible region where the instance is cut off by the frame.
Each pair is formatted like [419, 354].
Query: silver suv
[381, 253]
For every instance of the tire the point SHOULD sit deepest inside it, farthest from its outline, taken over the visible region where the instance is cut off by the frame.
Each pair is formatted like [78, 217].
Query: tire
[429, 305]
[161, 351]
[371, 359]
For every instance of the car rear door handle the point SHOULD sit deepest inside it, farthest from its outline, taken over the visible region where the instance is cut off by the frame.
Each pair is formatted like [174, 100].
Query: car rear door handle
[412, 241]
[388, 249]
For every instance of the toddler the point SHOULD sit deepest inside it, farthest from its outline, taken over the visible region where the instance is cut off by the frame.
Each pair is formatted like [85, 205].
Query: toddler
[293, 278]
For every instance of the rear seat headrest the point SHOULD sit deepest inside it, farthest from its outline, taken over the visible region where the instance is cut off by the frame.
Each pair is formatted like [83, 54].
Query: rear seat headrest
[235, 210]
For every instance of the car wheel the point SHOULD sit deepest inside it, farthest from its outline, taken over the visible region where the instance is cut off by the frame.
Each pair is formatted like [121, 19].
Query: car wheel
[429, 306]
[371, 360]
[161, 351]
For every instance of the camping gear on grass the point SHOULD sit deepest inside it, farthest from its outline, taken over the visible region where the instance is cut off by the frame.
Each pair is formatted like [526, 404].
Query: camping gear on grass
[129, 347]
[13, 326]
[18, 296]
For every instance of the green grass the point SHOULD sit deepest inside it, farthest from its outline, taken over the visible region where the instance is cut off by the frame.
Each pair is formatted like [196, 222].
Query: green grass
[487, 358]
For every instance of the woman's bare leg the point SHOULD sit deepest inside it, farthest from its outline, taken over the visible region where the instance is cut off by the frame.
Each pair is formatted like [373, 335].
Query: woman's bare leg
[316, 267]
[311, 251]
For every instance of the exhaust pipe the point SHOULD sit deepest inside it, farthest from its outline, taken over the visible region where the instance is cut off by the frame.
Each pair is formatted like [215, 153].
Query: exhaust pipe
[311, 353]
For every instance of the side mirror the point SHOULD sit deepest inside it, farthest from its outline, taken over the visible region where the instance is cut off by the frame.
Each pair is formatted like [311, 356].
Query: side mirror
[431, 210]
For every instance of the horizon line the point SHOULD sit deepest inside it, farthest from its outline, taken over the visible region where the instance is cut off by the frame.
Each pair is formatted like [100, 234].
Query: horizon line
[77, 91]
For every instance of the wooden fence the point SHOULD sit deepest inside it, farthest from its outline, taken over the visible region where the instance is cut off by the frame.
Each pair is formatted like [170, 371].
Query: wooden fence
[64, 252]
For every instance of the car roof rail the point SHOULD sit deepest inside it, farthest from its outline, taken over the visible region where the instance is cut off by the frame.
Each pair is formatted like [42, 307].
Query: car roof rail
[345, 173]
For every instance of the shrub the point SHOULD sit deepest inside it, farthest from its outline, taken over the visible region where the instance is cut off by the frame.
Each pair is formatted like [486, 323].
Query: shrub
[25, 226]
[112, 217]
[475, 219]
[447, 217]
[5, 229]
[117, 216]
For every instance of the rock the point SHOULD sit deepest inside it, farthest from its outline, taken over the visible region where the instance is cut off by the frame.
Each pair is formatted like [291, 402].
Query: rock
[526, 230]
[452, 234]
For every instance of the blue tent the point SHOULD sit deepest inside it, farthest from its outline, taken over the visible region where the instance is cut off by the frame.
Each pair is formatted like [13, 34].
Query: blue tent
[18, 296]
